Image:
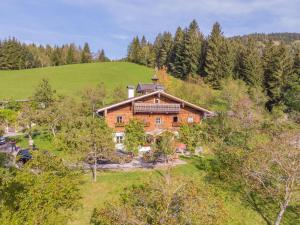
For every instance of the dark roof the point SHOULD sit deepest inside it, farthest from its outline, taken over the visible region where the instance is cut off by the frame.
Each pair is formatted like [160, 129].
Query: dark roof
[149, 87]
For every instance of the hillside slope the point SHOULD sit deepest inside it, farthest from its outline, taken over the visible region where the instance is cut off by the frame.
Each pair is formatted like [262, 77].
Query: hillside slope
[71, 79]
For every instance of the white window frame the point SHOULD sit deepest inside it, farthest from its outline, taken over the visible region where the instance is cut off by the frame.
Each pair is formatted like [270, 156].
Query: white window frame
[190, 119]
[158, 121]
[119, 139]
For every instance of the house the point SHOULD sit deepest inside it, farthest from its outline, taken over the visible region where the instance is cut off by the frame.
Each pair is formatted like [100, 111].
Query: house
[156, 109]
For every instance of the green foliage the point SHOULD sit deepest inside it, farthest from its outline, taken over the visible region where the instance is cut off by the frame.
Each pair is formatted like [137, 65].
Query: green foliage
[192, 44]
[14, 55]
[191, 135]
[251, 70]
[165, 145]
[134, 135]
[44, 191]
[164, 201]
[86, 55]
[217, 66]
[44, 94]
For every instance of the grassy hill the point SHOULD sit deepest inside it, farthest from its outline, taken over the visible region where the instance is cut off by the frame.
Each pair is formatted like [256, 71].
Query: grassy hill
[71, 79]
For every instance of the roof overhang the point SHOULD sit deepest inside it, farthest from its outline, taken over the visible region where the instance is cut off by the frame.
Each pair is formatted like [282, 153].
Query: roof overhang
[162, 93]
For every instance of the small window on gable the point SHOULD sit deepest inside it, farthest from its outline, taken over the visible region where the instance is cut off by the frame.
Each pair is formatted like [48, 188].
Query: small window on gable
[158, 120]
[156, 100]
[190, 119]
[120, 119]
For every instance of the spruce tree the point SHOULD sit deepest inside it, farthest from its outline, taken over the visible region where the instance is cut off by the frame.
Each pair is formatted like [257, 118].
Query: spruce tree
[278, 74]
[251, 70]
[218, 61]
[192, 49]
[176, 58]
[71, 54]
[134, 51]
[101, 56]
[164, 50]
[86, 55]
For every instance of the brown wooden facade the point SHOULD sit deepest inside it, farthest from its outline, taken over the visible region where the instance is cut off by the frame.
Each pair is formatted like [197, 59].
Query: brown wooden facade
[157, 110]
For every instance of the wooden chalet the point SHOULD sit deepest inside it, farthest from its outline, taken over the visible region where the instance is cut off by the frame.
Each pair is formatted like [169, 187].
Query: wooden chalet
[156, 109]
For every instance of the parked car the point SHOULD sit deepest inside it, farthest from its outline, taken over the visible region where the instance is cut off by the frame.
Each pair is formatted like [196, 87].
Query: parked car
[24, 156]
[2, 141]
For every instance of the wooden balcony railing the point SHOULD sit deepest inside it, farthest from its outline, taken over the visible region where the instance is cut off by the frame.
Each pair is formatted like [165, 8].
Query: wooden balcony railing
[156, 108]
[176, 124]
[122, 124]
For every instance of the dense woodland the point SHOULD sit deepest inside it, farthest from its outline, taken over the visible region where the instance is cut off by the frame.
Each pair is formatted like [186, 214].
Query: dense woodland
[267, 62]
[15, 55]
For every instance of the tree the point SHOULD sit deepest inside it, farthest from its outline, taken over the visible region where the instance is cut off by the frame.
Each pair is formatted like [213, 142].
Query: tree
[102, 57]
[118, 94]
[100, 142]
[164, 46]
[176, 58]
[278, 67]
[94, 97]
[273, 171]
[192, 49]
[134, 135]
[134, 51]
[44, 94]
[164, 201]
[86, 55]
[70, 59]
[51, 188]
[165, 145]
[191, 136]
[27, 118]
[251, 66]
[217, 61]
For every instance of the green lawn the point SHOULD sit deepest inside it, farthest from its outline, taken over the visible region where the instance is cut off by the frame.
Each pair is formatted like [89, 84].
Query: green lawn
[71, 79]
[110, 184]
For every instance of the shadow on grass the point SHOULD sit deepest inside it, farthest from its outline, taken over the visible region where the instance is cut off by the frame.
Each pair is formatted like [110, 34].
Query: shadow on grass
[266, 208]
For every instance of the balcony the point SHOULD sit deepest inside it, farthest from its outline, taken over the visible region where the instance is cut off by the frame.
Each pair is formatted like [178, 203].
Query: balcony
[156, 108]
[120, 124]
[176, 124]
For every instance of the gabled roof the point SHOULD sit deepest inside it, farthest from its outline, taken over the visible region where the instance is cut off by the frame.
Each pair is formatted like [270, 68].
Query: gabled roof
[149, 87]
[162, 93]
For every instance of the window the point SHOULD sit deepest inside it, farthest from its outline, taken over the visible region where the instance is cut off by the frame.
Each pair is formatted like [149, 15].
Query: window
[158, 120]
[190, 119]
[119, 119]
[175, 119]
[156, 101]
[119, 139]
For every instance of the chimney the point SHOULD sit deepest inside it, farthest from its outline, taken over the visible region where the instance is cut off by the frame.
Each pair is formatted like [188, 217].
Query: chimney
[130, 90]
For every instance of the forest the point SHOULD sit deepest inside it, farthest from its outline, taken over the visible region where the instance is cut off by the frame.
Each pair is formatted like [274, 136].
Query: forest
[269, 63]
[15, 55]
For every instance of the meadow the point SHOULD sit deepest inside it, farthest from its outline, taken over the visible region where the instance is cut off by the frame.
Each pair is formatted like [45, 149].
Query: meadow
[111, 183]
[69, 80]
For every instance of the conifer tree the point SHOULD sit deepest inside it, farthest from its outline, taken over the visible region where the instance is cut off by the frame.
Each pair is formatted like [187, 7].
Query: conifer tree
[176, 58]
[278, 67]
[86, 55]
[134, 50]
[164, 49]
[218, 61]
[71, 54]
[101, 56]
[251, 70]
[192, 49]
